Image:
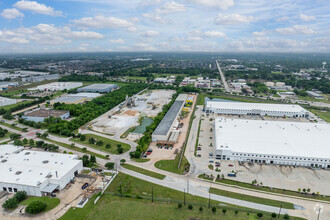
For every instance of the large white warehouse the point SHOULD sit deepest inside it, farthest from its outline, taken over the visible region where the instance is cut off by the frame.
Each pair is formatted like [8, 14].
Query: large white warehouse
[36, 172]
[58, 86]
[5, 101]
[273, 142]
[244, 108]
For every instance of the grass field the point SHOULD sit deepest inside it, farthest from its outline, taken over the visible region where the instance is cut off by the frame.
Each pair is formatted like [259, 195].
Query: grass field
[143, 171]
[51, 202]
[140, 78]
[140, 160]
[68, 146]
[252, 198]
[325, 115]
[172, 165]
[118, 83]
[308, 98]
[113, 143]
[134, 207]
[273, 190]
[10, 126]
[7, 107]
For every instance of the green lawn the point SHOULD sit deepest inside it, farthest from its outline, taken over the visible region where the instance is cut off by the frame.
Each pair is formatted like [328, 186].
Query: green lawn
[201, 99]
[10, 126]
[308, 98]
[113, 143]
[252, 198]
[140, 160]
[324, 114]
[68, 146]
[164, 207]
[172, 165]
[144, 171]
[51, 202]
[273, 190]
[140, 78]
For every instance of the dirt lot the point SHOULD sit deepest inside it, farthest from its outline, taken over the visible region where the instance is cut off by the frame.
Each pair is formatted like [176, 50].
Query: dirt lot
[286, 177]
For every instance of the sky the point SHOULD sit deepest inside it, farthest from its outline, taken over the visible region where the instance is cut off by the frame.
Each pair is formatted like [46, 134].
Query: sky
[28, 26]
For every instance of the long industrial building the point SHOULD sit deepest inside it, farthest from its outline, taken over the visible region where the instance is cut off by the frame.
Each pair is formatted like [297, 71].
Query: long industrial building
[243, 108]
[102, 88]
[58, 86]
[163, 133]
[75, 98]
[273, 142]
[38, 173]
[5, 101]
[39, 115]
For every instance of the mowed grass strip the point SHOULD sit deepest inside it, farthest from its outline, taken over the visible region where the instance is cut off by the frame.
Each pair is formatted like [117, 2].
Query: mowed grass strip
[112, 150]
[51, 202]
[254, 199]
[68, 146]
[144, 171]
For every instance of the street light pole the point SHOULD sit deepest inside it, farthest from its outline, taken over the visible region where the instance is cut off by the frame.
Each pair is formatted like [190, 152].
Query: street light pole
[279, 213]
[184, 196]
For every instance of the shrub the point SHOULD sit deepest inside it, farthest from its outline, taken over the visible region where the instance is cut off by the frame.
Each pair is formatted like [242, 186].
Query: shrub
[224, 211]
[190, 207]
[179, 205]
[108, 146]
[260, 215]
[286, 216]
[10, 203]
[110, 165]
[214, 209]
[236, 212]
[122, 161]
[274, 215]
[35, 207]
[20, 196]
[201, 209]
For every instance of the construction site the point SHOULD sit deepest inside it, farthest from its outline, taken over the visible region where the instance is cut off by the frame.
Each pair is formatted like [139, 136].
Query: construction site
[131, 113]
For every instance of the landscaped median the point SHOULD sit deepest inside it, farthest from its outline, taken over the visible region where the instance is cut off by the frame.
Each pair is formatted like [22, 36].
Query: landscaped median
[101, 143]
[254, 199]
[70, 147]
[143, 171]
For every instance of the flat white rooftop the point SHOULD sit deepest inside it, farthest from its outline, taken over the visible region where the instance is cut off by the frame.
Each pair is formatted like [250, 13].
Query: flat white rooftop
[273, 137]
[86, 94]
[27, 167]
[250, 106]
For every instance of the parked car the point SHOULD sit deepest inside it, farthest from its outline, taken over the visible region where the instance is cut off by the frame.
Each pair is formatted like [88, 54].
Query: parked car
[199, 148]
[211, 161]
[210, 154]
[198, 155]
[230, 165]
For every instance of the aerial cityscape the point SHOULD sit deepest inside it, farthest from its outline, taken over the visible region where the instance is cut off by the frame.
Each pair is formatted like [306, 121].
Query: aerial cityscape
[156, 109]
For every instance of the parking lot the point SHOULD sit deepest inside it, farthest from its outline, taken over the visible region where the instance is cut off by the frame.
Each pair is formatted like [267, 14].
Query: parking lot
[285, 177]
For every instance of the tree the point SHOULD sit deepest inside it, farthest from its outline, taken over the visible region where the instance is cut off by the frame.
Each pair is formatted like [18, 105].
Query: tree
[92, 159]
[20, 196]
[38, 134]
[99, 143]
[44, 135]
[35, 207]
[85, 160]
[214, 209]
[14, 136]
[236, 212]
[91, 141]
[8, 116]
[179, 205]
[82, 137]
[274, 215]
[18, 142]
[120, 150]
[308, 190]
[122, 161]
[110, 165]
[10, 203]
[299, 189]
[259, 214]
[201, 209]
[190, 207]
[25, 141]
[224, 211]
[108, 146]
[304, 190]
[39, 143]
[31, 142]
[84, 149]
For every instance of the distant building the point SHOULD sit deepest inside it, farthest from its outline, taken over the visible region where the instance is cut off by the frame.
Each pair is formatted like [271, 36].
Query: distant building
[315, 95]
[41, 78]
[58, 86]
[5, 101]
[39, 115]
[101, 88]
[164, 80]
[38, 173]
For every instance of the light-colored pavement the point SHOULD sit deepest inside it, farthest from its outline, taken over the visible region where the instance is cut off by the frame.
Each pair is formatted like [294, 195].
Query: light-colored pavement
[223, 79]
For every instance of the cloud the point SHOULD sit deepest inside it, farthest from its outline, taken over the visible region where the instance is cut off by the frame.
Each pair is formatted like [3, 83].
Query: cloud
[116, 41]
[37, 8]
[232, 19]
[11, 13]
[258, 33]
[150, 34]
[218, 4]
[295, 30]
[101, 21]
[214, 34]
[171, 7]
[46, 34]
[306, 17]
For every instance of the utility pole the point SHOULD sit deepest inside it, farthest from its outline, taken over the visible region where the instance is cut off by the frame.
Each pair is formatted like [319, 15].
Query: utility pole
[209, 199]
[188, 186]
[152, 194]
[318, 215]
[279, 213]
